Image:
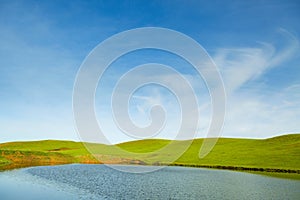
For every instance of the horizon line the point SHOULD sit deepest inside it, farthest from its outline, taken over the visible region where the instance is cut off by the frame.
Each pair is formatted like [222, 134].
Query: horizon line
[198, 138]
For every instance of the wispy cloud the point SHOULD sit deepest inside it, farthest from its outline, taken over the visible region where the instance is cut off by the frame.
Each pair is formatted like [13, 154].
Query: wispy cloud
[258, 112]
[251, 112]
[263, 115]
[240, 65]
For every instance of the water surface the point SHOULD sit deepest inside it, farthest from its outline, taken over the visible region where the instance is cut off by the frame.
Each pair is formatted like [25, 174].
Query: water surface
[78, 181]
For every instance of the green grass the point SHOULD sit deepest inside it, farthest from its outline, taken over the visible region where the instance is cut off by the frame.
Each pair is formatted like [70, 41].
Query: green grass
[274, 154]
[3, 161]
[280, 152]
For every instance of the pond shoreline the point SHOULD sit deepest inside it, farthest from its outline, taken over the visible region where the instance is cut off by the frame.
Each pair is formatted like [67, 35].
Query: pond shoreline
[277, 156]
[274, 172]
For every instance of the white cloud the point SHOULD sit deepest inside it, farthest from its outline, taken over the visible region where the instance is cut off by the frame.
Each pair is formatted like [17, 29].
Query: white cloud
[255, 112]
[263, 115]
[240, 65]
[251, 112]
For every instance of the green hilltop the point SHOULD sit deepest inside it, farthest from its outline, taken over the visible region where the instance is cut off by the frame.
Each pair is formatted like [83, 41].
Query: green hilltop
[278, 155]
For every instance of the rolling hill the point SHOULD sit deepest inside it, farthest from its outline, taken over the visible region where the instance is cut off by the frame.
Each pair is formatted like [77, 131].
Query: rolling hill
[279, 154]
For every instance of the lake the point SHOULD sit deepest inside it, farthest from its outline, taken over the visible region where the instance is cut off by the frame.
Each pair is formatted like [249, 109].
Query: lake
[77, 181]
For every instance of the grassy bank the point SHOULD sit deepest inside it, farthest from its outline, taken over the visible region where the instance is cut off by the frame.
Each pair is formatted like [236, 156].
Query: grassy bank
[273, 156]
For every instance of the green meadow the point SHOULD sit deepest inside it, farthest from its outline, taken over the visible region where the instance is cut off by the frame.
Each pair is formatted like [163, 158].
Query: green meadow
[278, 156]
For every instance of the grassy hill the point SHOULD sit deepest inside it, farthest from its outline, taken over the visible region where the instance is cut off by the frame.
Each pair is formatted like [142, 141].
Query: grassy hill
[278, 154]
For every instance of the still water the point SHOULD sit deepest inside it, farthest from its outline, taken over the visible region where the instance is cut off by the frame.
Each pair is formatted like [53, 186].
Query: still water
[78, 181]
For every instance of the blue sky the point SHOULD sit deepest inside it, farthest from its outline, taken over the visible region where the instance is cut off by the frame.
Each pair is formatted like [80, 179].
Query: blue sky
[255, 44]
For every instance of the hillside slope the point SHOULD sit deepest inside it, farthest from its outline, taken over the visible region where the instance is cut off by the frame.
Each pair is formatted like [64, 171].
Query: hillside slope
[281, 154]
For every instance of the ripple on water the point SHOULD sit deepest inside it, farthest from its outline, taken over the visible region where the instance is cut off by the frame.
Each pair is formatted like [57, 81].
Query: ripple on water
[102, 182]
